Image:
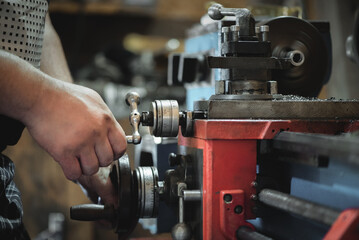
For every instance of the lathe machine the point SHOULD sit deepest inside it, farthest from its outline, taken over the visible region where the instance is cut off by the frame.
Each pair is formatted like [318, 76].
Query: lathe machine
[262, 158]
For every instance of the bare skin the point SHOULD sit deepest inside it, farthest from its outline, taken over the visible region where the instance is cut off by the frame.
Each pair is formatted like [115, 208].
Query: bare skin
[71, 122]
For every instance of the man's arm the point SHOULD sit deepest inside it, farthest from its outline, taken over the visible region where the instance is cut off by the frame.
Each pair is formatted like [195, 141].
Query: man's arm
[53, 61]
[70, 122]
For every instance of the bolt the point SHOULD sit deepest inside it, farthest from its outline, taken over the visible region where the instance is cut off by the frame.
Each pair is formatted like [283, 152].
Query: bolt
[254, 197]
[257, 30]
[225, 34]
[265, 32]
[254, 184]
[227, 198]
[238, 209]
[234, 30]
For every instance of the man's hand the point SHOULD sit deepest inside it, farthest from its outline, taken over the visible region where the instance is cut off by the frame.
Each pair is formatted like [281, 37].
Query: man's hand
[76, 127]
[100, 185]
[70, 122]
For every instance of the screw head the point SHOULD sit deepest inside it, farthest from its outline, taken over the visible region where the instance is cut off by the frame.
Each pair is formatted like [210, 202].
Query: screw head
[227, 198]
[238, 209]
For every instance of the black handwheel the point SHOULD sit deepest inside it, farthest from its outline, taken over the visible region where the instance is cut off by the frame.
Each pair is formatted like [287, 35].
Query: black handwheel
[127, 216]
[287, 34]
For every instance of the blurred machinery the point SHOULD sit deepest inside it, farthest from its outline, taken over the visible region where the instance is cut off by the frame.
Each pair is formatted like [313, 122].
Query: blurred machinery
[262, 158]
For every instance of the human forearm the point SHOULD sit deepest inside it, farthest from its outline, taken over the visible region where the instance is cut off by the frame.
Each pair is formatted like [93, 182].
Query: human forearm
[21, 85]
[53, 61]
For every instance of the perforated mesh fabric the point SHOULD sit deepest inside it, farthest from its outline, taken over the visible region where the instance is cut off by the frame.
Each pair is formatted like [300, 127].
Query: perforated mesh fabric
[22, 25]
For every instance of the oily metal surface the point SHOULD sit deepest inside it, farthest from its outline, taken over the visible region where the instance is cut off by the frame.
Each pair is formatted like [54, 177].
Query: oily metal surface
[166, 118]
[301, 207]
[343, 147]
[148, 197]
[281, 109]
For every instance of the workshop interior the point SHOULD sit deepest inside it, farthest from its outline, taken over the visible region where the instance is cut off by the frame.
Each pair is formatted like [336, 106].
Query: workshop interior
[240, 115]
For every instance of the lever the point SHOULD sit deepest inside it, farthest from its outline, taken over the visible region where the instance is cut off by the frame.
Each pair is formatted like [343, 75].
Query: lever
[217, 11]
[244, 18]
[181, 231]
[92, 212]
[133, 100]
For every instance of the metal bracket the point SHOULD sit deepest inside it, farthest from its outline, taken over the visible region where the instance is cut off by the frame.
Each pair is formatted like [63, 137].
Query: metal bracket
[232, 212]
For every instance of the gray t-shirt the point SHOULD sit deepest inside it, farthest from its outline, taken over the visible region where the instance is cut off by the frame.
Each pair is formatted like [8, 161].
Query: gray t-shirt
[22, 24]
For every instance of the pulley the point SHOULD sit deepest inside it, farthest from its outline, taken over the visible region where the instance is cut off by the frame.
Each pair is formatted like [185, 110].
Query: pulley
[290, 36]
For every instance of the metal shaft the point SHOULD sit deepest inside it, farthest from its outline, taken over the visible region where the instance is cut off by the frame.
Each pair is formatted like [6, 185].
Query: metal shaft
[192, 195]
[180, 210]
[298, 206]
[245, 233]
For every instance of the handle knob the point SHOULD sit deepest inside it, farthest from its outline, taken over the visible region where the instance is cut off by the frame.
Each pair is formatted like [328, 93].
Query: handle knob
[92, 212]
[133, 100]
[217, 11]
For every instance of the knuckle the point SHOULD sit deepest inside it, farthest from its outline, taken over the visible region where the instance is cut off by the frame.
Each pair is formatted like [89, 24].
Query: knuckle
[106, 161]
[90, 170]
[96, 132]
[96, 95]
[106, 118]
[119, 154]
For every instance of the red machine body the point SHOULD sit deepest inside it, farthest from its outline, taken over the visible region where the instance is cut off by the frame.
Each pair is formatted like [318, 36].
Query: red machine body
[229, 165]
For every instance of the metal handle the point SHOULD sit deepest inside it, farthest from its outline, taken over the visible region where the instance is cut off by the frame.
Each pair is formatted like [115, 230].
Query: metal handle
[244, 18]
[92, 212]
[217, 11]
[181, 231]
[133, 100]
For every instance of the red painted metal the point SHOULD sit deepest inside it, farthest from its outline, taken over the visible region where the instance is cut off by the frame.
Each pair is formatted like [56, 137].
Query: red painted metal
[229, 218]
[227, 164]
[230, 156]
[267, 129]
[346, 227]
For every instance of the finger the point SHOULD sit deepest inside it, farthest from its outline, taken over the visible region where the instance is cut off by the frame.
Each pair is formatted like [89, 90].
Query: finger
[71, 168]
[118, 141]
[104, 153]
[89, 162]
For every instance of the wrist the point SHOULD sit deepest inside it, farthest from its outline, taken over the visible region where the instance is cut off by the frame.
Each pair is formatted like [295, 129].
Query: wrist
[49, 92]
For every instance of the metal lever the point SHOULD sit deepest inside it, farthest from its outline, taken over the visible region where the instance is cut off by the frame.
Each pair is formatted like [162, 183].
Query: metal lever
[244, 18]
[181, 231]
[217, 11]
[133, 100]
